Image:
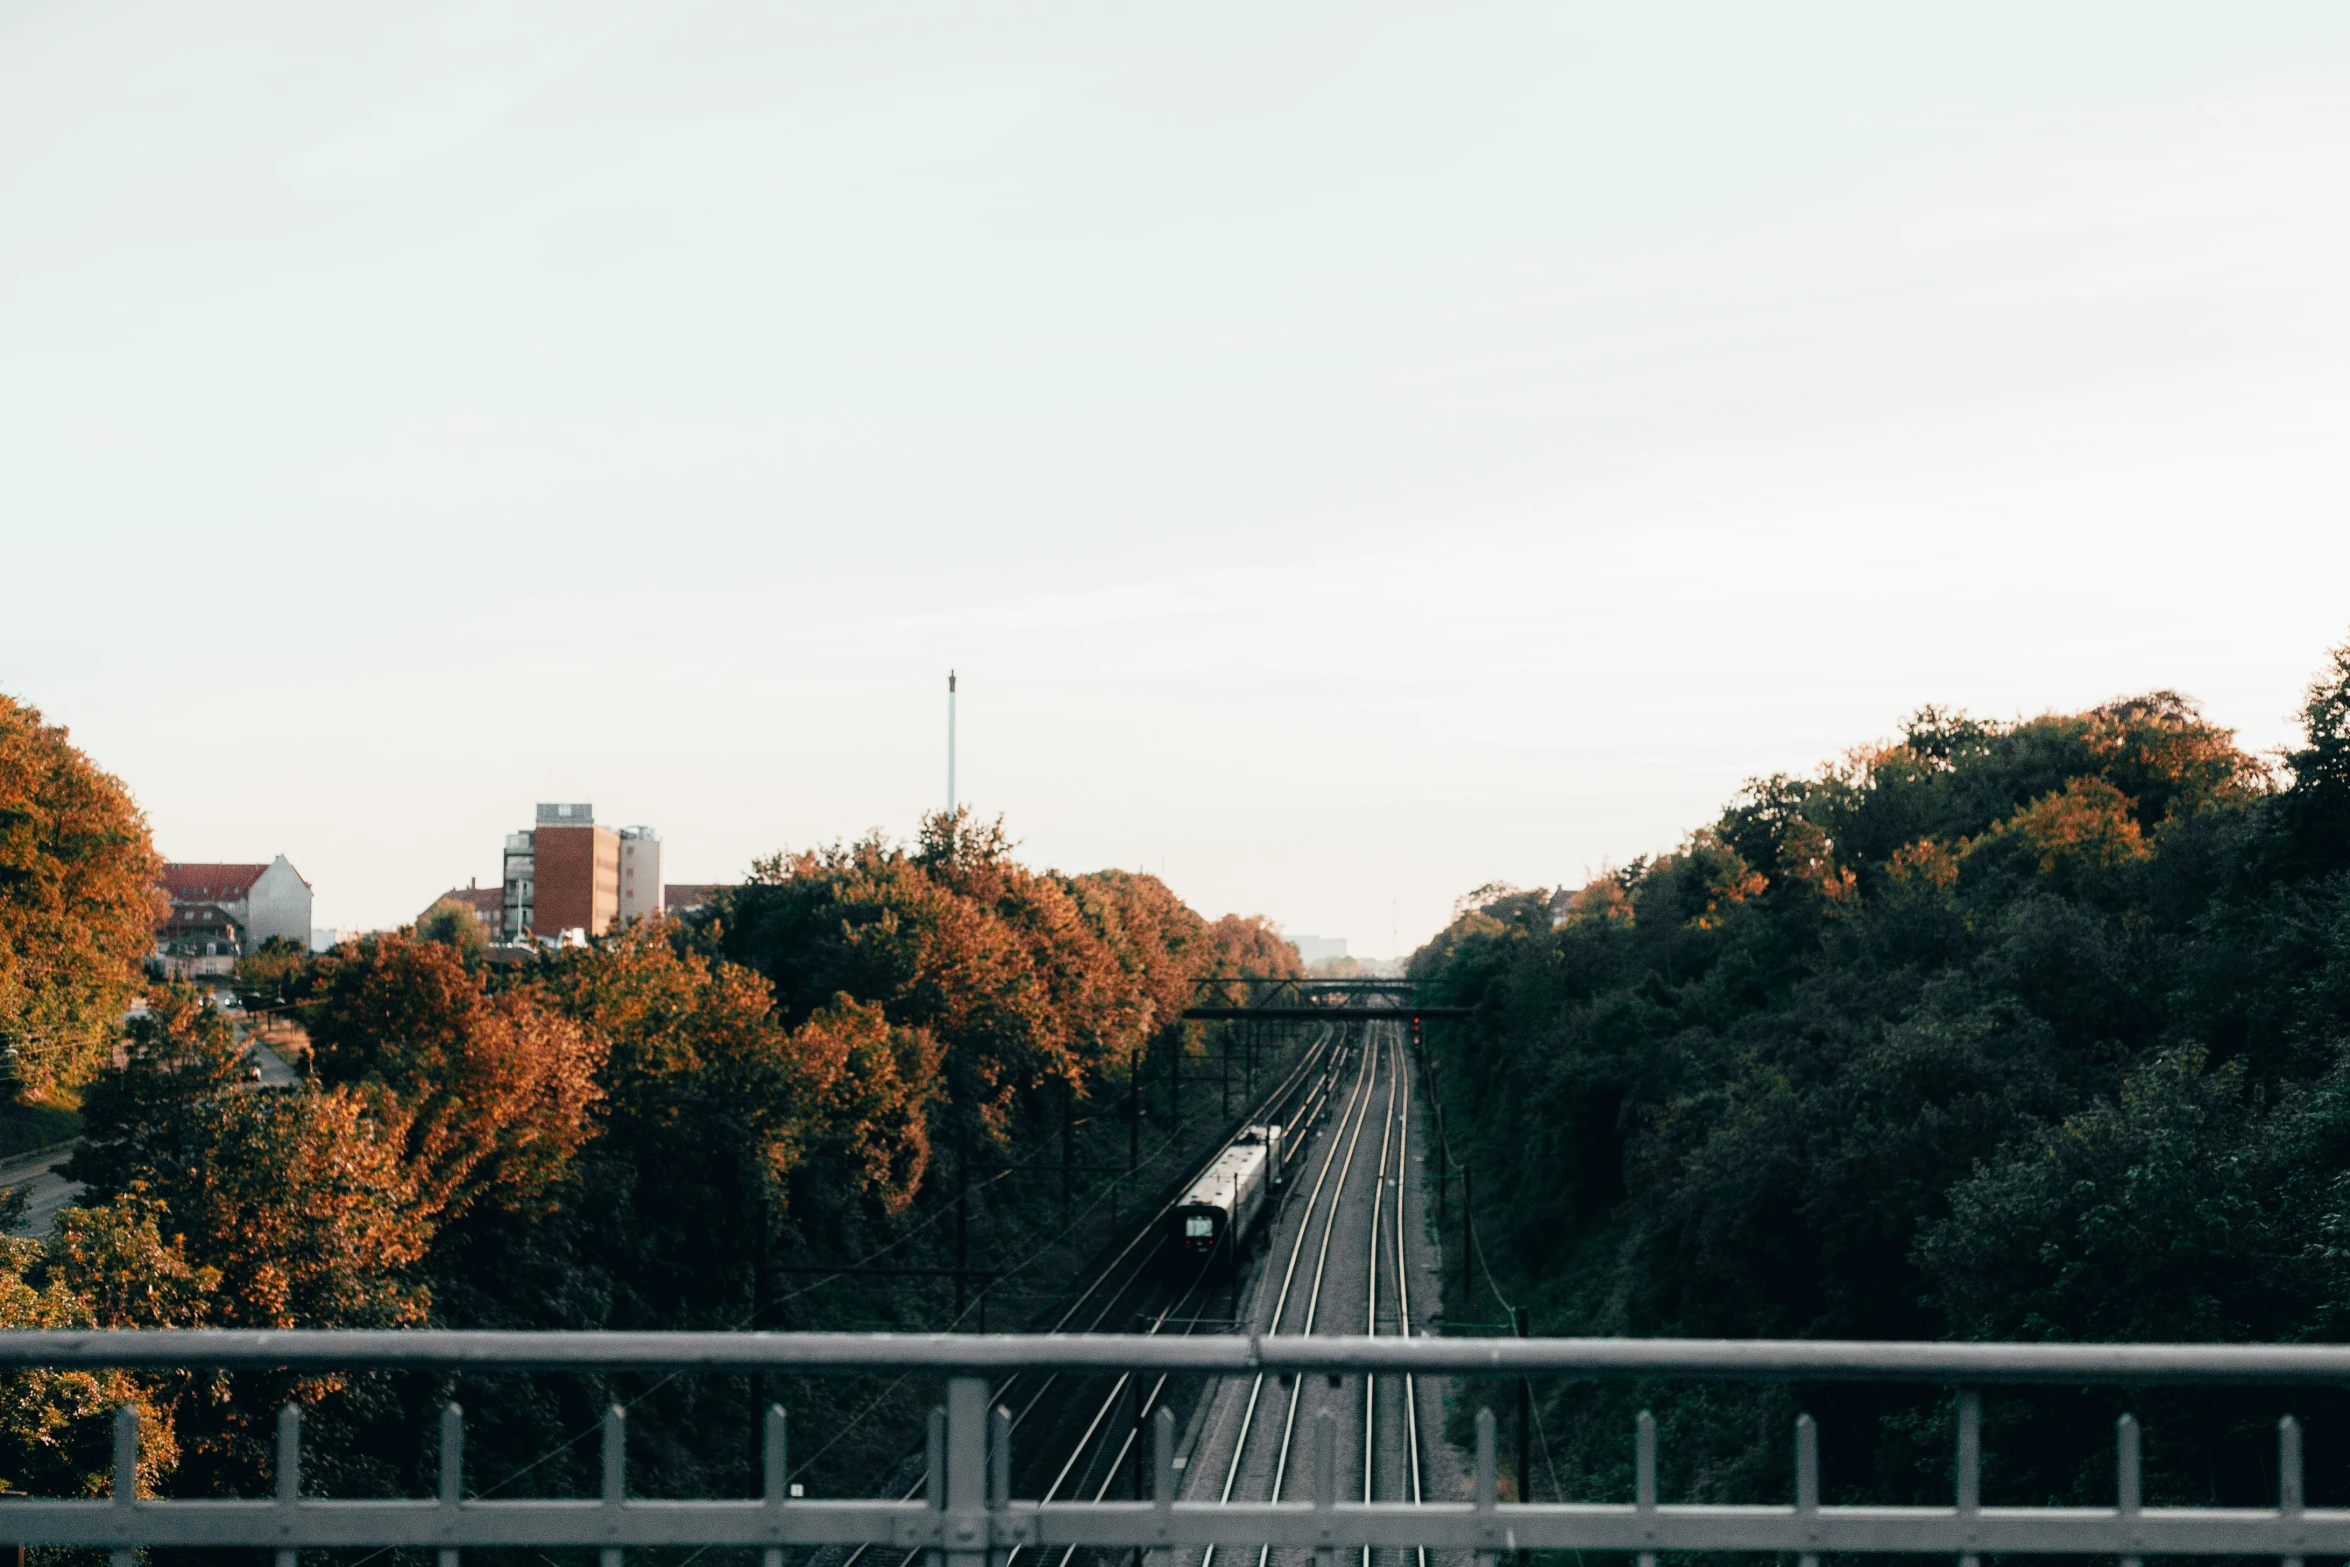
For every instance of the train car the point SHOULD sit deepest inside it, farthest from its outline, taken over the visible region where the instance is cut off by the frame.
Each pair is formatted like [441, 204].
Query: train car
[1223, 1205]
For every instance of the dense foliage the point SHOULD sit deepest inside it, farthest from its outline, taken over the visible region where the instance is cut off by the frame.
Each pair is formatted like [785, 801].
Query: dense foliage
[2036, 1030]
[680, 1126]
[77, 905]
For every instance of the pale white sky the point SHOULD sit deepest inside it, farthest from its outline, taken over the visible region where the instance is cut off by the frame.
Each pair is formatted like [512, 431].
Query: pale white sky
[1352, 452]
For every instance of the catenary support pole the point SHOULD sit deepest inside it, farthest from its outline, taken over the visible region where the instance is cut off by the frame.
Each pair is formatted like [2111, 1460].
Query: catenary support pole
[1468, 1230]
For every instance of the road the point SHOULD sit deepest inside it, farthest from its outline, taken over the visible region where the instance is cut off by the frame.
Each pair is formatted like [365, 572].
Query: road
[52, 1191]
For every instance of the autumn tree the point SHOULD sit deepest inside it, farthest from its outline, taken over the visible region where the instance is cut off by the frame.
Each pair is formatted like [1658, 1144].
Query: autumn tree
[305, 1203]
[995, 961]
[78, 904]
[494, 1090]
[57, 1427]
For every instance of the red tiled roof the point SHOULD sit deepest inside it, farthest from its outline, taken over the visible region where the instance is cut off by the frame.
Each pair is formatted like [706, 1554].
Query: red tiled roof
[488, 902]
[679, 895]
[185, 882]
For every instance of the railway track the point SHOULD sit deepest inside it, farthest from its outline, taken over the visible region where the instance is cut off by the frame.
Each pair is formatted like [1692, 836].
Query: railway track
[1107, 1301]
[1343, 1260]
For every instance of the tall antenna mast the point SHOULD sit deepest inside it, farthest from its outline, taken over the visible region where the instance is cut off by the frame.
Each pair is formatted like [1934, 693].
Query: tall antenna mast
[950, 744]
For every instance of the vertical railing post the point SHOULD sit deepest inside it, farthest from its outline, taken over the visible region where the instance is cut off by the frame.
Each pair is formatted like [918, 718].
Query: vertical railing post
[2289, 1494]
[1970, 1467]
[2126, 1492]
[452, 1475]
[999, 1476]
[1644, 1481]
[966, 1487]
[126, 1474]
[1162, 1484]
[615, 1478]
[1807, 1485]
[1521, 1322]
[289, 1476]
[1488, 1491]
[934, 1473]
[1325, 1488]
[774, 1474]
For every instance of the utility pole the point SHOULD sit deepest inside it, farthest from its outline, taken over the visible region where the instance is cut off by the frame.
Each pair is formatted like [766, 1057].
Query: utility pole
[1068, 1138]
[1525, 1424]
[950, 745]
[962, 1225]
[1133, 1110]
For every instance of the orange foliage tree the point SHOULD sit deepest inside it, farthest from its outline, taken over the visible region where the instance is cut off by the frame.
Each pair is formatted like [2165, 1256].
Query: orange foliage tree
[494, 1088]
[78, 904]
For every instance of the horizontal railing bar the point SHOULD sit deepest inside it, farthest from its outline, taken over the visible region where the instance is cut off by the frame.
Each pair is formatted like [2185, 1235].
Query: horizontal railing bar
[1539, 1526]
[1685, 1359]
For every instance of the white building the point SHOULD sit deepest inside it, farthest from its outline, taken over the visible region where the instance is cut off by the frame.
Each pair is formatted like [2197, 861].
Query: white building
[520, 884]
[255, 901]
[640, 874]
[1318, 949]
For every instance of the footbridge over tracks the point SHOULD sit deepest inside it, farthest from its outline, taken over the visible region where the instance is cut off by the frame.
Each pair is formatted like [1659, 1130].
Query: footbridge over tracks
[1311, 1001]
[968, 1517]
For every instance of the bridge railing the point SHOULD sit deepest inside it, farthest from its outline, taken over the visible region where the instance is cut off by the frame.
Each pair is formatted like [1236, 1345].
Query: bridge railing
[968, 1516]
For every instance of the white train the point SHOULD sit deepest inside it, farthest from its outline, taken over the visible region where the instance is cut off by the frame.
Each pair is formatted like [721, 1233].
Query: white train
[1223, 1205]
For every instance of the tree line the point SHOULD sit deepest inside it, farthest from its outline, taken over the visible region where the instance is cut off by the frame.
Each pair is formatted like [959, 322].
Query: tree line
[677, 1127]
[2035, 1030]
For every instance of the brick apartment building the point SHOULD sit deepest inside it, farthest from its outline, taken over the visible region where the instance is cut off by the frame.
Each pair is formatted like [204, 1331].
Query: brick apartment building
[571, 873]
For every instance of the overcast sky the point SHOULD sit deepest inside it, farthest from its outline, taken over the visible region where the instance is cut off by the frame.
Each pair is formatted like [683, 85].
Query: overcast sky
[1353, 453]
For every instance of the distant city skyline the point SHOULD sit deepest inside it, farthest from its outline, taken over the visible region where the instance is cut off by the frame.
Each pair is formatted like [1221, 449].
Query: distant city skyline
[1349, 454]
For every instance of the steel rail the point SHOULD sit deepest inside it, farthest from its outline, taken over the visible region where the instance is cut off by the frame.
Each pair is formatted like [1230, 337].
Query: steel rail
[1281, 1302]
[1371, 1291]
[1370, 1080]
[1305, 1225]
[1264, 1106]
[1139, 1236]
[1403, 1292]
[1148, 1402]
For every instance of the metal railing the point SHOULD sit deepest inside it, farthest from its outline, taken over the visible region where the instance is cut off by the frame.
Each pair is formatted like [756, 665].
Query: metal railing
[968, 1515]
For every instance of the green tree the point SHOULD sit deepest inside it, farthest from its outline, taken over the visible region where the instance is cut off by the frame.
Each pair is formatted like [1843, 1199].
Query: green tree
[2037, 1029]
[456, 926]
[272, 974]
